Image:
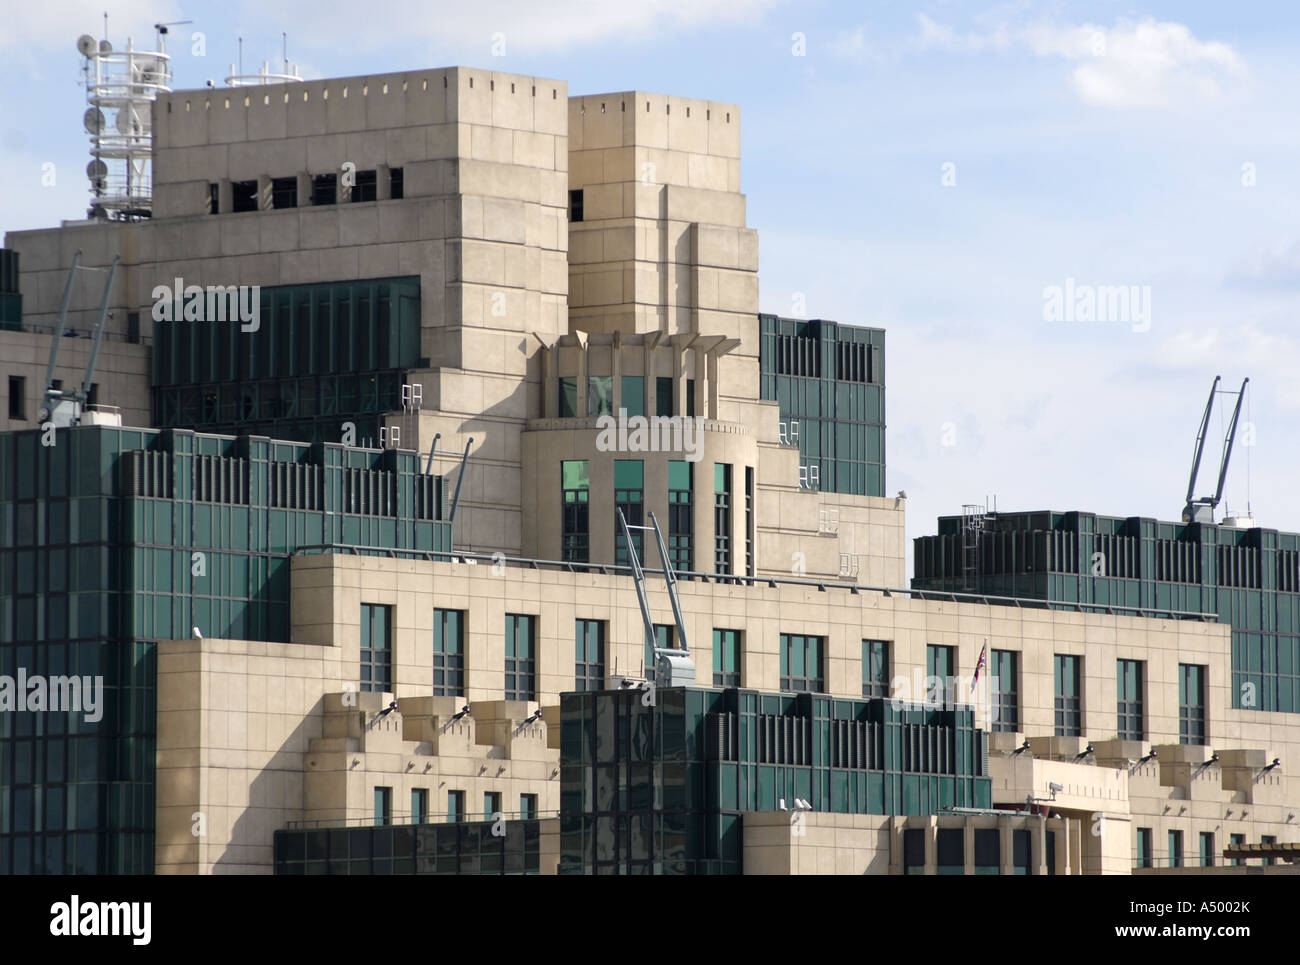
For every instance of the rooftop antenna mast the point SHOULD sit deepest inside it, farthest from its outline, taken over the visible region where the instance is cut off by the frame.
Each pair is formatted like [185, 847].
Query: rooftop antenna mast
[1201, 509]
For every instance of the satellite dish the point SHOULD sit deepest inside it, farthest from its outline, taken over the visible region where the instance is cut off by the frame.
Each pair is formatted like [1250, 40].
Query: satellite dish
[93, 120]
[96, 170]
[105, 47]
[99, 184]
[86, 45]
[124, 122]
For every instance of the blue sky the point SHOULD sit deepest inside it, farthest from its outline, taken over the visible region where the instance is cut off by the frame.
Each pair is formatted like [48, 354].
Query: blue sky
[1150, 145]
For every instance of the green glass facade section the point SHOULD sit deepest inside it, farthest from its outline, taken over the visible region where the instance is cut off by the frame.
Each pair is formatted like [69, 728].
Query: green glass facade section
[322, 356]
[1248, 578]
[459, 848]
[662, 789]
[830, 379]
[633, 395]
[114, 538]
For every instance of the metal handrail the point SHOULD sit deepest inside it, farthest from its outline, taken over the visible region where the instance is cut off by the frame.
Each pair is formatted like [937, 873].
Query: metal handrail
[456, 556]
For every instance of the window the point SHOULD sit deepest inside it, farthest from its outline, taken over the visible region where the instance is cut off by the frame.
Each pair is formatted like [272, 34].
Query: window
[589, 655]
[634, 395]
[721, 517]
[600, 395]
[1268, 839]
[455, 806]
[396, 184]
[448, 653]
[1191, 703]
[521, 657]
[875, 668]
[366, 187]
[690, 398]
[1004, 681]
[988, 851]
[568, 398]
[284, 192]
[1129, 694]
[376, 648]
[491, 805]
[1207, 849]
[575, 484]
[133, 328]
[324, 188]
[749, 520]
[801, 663]
[726, 658]
[419, 805]
[243, 196]
[1068, 705]
[383, 805]
[1175, 849]
[950, 851]
[629, 479]
[528, 806]
[214, 198]
[681, 514]
[1145, 856]
[663, 640]
[17, 397]
[664, 395]
[914, 851]
[940, 669]
[1233, 841]
[575, 205]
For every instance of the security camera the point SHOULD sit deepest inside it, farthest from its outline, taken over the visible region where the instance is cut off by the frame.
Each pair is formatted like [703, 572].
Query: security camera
[1055, 788]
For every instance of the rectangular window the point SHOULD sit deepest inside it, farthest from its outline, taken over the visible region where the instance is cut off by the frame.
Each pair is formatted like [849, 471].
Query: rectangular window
[1068, 703]
[600, 395]
[914, 851]
[214, 198]
[589, 655]
[681, 514]
[664, 402]
[396, 184]
[1145, 855]
[1004, 682]
[575, 205]
[448, 653]
[749, 520]
[521, 657]
[1191, 703]
[629, 495]
[721, 517]
[491, 805]
[575, 487]
[801, 663]
[663, 640]
[419, 805]
[284, 192]
[243, 196]
[1233, 841]
[633, 389]
[366, 187]
[726, 658]
[376, 648]
[383, 805]
[568, 407]
[875, 668]
[1175, 849]
[324, 188]
[690, 398]
[940, 669]
[1268, 839]
[1131, 724]
[950, 851]
[1207, 849]
[455, 806]
[528, 806]
[17, 397]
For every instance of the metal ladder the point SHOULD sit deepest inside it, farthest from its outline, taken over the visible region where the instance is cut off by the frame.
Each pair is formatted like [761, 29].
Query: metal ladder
[673, 668]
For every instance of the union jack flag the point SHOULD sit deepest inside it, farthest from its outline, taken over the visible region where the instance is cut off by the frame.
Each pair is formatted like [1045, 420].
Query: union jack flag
[980, 666]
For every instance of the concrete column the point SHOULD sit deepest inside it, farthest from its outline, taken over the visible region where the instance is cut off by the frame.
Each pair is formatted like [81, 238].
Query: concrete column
[968, 844]
[304, 189]
[384, 183]
[225, 196]
[1006, 846]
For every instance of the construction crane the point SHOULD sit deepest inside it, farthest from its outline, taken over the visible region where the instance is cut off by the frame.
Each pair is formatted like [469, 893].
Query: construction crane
[1201, 509]
[63, 407]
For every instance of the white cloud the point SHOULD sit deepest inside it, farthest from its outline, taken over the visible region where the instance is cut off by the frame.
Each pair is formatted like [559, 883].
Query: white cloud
[1275, 266]
[1144, 64]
